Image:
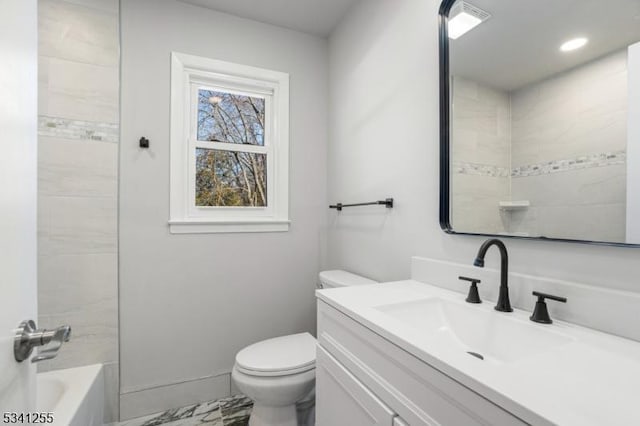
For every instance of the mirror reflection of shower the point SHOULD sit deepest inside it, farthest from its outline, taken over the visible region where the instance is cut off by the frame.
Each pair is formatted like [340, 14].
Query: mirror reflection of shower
[542, 140]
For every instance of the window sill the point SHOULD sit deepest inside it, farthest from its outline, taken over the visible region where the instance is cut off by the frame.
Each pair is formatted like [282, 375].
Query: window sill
[227, 226]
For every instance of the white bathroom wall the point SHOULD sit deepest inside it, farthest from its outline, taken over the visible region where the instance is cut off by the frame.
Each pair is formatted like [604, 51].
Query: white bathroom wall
[633, 147]
[18, 173]
[384, 142]
[78, 114]
[188, 303]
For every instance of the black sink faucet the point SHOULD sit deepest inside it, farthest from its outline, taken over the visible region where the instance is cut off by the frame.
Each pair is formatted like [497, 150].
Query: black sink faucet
[503, 304]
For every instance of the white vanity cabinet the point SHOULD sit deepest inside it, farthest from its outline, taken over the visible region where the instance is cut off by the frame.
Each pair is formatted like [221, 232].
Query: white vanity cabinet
[343, 400]
[363, 379]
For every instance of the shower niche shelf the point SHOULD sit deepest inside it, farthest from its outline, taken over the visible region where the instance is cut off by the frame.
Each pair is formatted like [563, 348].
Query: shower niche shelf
[514, 205]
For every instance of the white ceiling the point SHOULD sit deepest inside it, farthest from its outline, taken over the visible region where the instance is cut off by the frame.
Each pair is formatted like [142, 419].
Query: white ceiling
[520, 43]
[317, 17]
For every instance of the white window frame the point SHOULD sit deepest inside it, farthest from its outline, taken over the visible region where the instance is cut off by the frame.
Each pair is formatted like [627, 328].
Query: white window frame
[189, 74]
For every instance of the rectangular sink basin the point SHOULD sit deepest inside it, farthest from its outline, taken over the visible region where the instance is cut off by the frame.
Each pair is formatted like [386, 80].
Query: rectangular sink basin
[481, 332]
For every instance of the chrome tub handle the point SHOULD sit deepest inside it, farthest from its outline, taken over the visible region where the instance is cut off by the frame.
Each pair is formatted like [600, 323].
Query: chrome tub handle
[28, 337]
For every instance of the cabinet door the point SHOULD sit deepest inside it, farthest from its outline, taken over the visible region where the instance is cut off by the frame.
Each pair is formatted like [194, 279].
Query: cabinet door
[420, 394]
[342, 400]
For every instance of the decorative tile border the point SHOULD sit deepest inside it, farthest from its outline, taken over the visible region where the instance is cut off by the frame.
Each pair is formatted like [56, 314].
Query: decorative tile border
[475, 169]
[78, 129]
[604, 159]
[584, 162]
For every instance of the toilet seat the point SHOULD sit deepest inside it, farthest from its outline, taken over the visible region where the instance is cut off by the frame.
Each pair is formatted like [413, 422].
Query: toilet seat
[274, 373]
[280, 356]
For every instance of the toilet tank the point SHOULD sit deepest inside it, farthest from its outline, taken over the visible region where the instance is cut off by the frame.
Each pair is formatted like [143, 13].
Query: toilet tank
[339, 278]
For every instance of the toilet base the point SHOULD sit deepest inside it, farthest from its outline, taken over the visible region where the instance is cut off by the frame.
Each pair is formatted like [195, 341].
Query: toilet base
[275, 398]
[263, 415]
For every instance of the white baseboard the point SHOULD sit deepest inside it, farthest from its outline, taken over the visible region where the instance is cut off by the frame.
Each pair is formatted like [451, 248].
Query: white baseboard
[154, 400]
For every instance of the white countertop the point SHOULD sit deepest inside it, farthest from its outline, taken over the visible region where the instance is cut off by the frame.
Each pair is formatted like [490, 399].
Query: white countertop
[594, 379]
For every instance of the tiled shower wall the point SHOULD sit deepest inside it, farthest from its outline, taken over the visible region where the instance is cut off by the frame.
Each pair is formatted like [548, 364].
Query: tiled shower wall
[569, 152]
[559, 143]
[77, 188]
[481, 149]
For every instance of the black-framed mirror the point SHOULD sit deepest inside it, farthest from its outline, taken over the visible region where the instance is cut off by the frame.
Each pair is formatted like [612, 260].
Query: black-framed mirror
[540, 119]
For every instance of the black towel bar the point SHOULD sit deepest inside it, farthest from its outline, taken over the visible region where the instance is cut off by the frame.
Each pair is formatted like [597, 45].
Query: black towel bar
[388, 203]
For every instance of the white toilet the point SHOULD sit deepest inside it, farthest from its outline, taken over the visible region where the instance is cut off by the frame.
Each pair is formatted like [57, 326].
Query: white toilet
[279, 374]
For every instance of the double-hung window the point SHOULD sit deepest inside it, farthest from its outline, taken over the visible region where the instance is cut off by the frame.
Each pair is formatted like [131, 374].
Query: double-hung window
[229, 147]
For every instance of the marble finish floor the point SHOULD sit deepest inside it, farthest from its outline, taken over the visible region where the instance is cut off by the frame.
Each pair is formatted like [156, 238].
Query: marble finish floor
[232, 411]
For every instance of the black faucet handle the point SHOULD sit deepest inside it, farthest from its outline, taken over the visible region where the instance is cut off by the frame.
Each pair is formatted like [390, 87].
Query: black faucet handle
[540, 312]
[542, 296]
[473, 296]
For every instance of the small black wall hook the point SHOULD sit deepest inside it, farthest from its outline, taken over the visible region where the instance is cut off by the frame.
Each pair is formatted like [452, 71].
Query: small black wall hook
[144, 142]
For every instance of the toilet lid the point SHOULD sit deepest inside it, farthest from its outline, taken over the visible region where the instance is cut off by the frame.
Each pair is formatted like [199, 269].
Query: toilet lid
[291, 354]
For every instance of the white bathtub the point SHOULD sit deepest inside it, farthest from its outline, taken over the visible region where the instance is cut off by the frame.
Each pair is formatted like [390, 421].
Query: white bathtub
[75, 396]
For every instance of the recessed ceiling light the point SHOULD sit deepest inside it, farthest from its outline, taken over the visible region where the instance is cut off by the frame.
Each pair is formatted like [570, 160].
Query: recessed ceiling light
[463, 18]
[573, 44]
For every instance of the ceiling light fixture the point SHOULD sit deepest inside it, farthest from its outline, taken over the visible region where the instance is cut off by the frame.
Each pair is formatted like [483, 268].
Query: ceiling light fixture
[464, 17]
[573, 44]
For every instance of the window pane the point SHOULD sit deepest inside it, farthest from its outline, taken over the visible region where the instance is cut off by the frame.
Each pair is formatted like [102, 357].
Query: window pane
[229, 178]
[225, 117]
